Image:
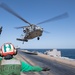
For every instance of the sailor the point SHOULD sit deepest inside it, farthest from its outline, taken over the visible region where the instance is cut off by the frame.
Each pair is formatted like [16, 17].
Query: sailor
[11, 66]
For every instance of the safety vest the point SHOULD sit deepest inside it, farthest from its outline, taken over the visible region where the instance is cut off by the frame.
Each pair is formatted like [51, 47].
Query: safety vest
[10, 67]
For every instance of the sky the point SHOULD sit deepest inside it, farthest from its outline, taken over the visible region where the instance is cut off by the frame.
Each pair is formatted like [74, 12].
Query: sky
[62, 32]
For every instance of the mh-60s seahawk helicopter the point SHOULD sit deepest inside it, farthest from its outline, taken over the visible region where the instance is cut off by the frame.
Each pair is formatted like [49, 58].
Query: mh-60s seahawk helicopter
[32, 30]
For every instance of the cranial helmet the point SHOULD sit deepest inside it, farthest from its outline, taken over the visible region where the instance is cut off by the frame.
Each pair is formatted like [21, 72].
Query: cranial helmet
[7, 49]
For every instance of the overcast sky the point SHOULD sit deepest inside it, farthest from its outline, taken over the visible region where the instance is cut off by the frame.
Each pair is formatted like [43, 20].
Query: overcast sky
[62, 32]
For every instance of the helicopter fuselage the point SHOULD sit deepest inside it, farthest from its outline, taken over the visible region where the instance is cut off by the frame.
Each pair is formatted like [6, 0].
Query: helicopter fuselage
[31, 32]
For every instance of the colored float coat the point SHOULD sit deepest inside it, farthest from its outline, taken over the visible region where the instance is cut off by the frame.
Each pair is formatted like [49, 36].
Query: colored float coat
[10, 67]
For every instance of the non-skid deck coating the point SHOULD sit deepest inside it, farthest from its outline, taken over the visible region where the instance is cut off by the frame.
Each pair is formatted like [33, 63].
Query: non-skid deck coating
[23, 58]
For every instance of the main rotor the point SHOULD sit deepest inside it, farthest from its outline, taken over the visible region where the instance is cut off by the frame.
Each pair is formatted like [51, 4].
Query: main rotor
[7, 8]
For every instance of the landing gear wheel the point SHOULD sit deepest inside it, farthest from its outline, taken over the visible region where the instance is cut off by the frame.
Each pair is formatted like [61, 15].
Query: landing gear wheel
[38, 38]
[26, 40]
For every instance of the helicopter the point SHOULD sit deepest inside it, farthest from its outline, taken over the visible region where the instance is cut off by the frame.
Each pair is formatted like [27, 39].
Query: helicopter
[32, 30]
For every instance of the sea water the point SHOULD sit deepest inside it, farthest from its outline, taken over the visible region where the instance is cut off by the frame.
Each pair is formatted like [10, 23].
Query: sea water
[70, 53]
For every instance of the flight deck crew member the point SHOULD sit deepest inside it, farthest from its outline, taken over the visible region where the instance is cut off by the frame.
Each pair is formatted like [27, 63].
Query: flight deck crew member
[12, 66]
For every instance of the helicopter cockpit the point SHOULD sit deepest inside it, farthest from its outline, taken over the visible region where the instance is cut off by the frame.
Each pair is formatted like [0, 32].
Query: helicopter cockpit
[31, 28]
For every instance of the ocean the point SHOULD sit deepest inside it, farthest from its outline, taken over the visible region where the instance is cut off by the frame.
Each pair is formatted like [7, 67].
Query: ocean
[70, 53]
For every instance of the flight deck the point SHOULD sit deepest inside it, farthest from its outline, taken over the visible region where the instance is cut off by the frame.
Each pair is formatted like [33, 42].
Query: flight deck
[58, 66]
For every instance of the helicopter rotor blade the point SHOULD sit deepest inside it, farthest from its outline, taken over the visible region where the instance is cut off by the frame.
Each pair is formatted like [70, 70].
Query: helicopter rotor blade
[62, 16]
[46, 31]
[4, 6]
[20, 27]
